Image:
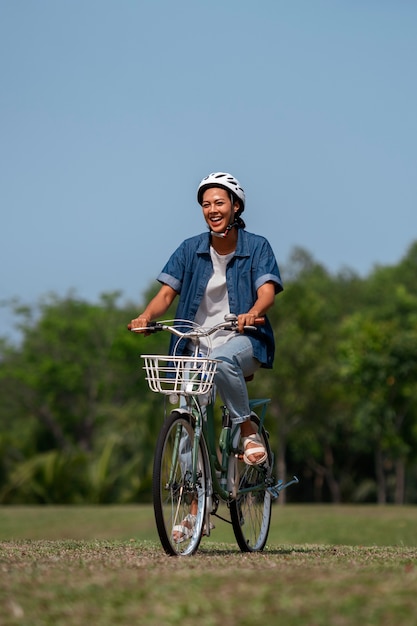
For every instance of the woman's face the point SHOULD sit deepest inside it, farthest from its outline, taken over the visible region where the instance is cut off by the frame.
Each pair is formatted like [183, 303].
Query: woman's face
[218, 209]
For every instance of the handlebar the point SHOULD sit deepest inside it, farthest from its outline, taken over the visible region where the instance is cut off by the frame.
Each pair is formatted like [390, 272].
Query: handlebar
[230, 323]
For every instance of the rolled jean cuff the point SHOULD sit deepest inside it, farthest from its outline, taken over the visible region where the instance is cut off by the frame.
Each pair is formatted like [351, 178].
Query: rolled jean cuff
[240, 420]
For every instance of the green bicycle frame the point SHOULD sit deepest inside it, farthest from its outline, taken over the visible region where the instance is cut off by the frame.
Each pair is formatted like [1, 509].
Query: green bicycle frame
[219, 470]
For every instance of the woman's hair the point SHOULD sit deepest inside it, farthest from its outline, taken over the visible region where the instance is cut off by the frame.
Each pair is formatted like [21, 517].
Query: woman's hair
[239, 222]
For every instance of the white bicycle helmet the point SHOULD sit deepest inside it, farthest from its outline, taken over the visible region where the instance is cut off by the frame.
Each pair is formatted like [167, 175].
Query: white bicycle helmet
[225, 181]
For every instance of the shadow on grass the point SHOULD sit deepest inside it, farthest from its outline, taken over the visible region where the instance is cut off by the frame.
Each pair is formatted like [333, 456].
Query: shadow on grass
[220, 550]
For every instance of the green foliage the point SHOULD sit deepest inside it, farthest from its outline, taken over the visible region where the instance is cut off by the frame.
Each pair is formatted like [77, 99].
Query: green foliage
[78, 422]
[378, 352]
[47, 478]
[73, 421]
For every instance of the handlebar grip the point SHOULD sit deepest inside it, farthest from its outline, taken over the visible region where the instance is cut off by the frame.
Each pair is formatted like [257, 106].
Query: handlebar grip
[152, 327]
[259, 321]
[138, 330]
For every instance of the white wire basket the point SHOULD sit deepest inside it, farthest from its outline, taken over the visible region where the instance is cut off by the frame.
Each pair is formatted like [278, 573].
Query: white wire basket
[184, 375]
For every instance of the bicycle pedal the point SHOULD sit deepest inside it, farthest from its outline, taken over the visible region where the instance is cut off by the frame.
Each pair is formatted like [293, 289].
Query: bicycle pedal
[280, 486]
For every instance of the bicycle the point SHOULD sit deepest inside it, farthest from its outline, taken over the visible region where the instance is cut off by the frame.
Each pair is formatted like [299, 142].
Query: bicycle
[193, 470]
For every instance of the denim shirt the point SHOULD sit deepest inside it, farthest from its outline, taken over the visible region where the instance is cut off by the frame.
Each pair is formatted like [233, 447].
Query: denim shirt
[253, 264]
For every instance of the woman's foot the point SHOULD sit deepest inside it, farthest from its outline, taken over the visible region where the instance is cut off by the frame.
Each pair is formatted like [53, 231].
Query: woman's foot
[254, 452]
[185, 530]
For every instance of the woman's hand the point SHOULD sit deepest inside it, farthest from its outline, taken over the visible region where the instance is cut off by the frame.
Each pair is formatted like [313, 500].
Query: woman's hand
[246, 319]
[141, 322]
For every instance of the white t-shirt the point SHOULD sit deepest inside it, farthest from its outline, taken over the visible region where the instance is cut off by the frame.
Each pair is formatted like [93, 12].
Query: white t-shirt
[215, 303]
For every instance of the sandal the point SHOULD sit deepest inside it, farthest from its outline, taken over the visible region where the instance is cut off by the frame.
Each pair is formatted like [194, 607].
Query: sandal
[254, 450]
[184, 531]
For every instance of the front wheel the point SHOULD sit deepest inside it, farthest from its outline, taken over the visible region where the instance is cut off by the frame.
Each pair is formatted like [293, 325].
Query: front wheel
[179, 492]
[250, 512]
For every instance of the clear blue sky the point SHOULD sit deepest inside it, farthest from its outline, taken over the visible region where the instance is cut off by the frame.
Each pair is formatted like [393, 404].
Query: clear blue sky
[112, 111]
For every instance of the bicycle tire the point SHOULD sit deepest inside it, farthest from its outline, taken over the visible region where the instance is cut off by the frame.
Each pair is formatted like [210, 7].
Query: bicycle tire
[250, 512]
[173, 489]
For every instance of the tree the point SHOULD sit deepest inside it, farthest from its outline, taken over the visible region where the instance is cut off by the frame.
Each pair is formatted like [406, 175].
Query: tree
[379, 353]
[79, 424]
[310, 406]
[74, 394]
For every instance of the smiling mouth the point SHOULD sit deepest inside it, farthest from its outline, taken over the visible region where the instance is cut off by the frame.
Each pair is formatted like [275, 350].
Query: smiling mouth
[216, 220]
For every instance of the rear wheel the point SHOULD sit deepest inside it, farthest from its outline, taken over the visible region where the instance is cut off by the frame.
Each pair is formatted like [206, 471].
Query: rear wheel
[177, 498]
[250, 512]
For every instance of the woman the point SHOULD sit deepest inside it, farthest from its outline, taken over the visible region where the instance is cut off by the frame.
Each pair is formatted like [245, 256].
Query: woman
[225, 270]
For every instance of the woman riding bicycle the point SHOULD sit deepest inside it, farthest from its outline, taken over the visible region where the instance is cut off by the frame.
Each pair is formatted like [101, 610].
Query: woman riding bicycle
[226, 270]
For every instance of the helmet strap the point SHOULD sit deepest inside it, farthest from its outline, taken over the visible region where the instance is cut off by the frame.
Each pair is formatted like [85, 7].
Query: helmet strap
[227, 231]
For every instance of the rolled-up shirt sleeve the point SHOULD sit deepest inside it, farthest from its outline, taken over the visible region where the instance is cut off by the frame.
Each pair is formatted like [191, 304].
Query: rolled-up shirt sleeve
[266, 267]
[173, 271]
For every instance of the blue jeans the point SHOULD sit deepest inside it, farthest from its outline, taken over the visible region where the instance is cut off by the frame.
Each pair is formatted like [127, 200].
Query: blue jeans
[236, 362]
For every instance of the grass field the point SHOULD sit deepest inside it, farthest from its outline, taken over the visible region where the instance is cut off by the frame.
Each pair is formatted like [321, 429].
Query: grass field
[324, 565]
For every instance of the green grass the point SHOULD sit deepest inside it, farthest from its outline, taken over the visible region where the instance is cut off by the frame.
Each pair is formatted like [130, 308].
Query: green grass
[292, 524]
[324, 565]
